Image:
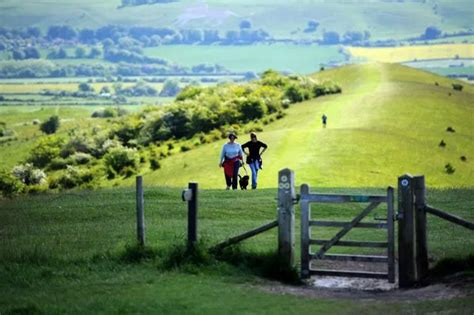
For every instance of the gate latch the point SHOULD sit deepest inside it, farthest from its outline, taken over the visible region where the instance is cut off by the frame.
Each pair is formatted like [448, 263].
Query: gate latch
[297, 199]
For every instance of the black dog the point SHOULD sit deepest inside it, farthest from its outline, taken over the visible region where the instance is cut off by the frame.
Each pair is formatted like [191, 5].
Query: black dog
[243, 182]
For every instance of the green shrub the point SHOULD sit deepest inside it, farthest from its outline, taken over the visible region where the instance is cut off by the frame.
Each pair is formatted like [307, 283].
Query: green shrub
[28, 174]
[77, 144]
[154, 163]
[449, 168]
[295, 93]
[9, 184]
[50, 126]
[36, 189]
[185, 148]
[252, 108]
[189, 92]
[57, 164]
[53, 182]
[81, 158]
[121, 160]
[457, 87]
[46, 149]
[74, 177]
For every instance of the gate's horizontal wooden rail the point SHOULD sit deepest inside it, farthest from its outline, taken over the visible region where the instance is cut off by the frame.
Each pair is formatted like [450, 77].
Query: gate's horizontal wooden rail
[323, 198]
[347, 273]
[343, 224]
[344, 257]
[352, 243]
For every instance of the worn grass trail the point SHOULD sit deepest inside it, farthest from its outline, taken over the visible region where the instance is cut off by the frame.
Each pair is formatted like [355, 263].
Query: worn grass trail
[388, 121]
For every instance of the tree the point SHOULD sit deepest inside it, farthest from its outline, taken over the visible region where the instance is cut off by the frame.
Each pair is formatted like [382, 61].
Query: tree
[210, 36]
[58, 53]
[353, 36]
[85, 87]
[87, 36]
[170, 88]
[94, 53]
[61, 31]
[245, 24]
[45, 150]
[51, 125]
[18, 54]
[432, 32]
[331, 38]
[33, 31]
[232, 36]
[32, 53]
[312, 26]
[80, 52]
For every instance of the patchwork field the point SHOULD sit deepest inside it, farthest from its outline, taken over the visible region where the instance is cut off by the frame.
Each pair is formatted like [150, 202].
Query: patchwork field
[411, 53]
[284, 57]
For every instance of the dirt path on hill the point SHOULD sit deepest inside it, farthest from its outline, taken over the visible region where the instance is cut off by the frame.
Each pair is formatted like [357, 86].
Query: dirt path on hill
[456, 286]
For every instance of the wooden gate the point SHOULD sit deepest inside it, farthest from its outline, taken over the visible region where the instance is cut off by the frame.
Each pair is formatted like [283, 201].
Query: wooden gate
[306, 198]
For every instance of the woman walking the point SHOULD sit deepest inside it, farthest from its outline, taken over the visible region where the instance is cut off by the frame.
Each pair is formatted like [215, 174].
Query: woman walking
[231, 159]
[254, 159]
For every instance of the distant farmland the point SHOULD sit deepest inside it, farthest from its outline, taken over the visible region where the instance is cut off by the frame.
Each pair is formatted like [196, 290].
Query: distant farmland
[410, 53]
[283, 57]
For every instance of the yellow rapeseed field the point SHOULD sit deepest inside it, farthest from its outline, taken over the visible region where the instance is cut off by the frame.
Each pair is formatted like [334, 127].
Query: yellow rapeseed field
[410, 53]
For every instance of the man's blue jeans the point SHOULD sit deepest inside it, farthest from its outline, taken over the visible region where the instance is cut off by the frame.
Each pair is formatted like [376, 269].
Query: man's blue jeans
[254, 167]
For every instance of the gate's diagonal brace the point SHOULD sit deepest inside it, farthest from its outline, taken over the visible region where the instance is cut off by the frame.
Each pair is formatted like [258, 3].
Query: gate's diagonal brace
[450, 217]
[346, 229]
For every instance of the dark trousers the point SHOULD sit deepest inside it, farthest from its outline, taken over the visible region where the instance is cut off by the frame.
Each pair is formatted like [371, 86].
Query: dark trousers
[234, 180]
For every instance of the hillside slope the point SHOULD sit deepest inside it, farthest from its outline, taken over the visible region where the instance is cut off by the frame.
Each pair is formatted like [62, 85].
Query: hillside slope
[283, 19]
[388, 121]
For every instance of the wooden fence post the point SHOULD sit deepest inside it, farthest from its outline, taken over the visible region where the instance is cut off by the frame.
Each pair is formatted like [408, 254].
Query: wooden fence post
[421, 241]
[305, 232]
[192, 214]
[406, 232]
[390, 235]
[286, 216]
[140, 211]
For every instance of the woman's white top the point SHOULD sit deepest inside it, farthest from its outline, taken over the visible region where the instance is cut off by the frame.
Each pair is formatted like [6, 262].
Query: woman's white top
[230, 151]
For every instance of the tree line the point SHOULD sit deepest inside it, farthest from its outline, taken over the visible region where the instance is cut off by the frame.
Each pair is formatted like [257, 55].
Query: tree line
[33, 68]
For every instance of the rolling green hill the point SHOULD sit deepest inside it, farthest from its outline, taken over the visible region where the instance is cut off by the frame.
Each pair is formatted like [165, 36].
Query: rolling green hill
[283, 19]
[388, 121]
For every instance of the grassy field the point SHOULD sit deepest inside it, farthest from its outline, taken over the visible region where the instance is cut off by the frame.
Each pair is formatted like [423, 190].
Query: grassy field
[35, 88]
[388, 121]
[284, 57]
[410, 53]
[64, 253]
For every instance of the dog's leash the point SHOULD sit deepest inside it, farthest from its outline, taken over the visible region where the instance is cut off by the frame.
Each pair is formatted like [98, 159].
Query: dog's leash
[245, 169]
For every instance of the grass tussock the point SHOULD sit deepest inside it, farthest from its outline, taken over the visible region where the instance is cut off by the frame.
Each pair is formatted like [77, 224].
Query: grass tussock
[137, 253]
[267, 264]
[181, 256]
[449, 266]
[29, 309]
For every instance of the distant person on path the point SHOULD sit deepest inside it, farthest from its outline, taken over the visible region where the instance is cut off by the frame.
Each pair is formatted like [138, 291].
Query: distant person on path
[324, 119]
[231, 159]
[254, 159]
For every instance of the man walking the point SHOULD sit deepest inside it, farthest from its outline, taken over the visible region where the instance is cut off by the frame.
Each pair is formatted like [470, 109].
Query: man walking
[254, 159]
[324, 119]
